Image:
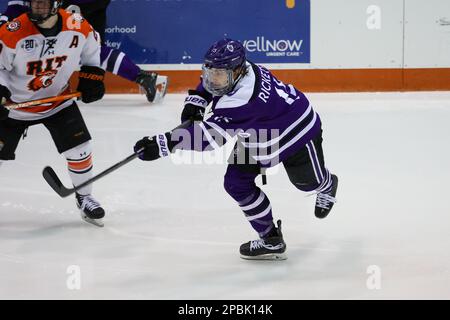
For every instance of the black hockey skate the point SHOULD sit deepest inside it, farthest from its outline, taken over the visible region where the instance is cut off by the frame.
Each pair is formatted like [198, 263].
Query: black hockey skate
[271, 247]
[91, 211]
[326, 200]
[147, 81]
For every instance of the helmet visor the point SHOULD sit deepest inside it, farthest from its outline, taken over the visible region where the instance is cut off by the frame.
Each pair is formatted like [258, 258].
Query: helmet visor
[218, 82]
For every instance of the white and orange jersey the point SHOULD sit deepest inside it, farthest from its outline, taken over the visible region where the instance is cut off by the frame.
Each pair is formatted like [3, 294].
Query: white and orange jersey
[33, 66]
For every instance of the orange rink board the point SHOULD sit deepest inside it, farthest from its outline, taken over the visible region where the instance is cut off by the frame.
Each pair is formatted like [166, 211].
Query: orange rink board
[329, 80]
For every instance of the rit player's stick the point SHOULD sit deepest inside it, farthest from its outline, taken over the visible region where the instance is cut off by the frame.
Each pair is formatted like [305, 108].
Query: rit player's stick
[42, 101]
[52, 178]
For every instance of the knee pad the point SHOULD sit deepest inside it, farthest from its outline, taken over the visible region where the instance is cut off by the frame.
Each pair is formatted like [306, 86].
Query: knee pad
[232, 182]
[228, 185]
[239, 185]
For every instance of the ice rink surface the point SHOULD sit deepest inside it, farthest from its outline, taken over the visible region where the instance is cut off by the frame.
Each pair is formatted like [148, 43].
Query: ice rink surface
[171, 231]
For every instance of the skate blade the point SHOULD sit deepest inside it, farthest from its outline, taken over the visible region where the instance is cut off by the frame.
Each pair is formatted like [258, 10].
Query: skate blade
[161, 88]
[96, 222]
[269, 256]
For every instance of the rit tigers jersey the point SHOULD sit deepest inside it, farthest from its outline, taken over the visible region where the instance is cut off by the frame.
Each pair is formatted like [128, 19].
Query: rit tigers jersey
[33, 66]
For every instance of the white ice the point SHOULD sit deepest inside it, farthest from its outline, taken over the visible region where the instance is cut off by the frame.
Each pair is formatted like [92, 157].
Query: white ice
[171, 231]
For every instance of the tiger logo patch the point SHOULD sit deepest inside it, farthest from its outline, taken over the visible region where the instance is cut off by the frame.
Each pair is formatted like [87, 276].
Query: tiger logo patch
[42, 80]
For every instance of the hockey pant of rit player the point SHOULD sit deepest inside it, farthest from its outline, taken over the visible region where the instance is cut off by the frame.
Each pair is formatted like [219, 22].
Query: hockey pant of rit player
[306, 170]
[70, 135]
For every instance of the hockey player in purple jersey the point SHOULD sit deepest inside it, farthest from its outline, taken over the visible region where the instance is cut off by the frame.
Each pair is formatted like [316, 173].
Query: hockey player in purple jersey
[114, 61]
[273, 122]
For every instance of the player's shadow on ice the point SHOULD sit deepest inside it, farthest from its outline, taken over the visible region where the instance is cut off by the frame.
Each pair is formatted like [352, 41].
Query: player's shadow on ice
[308, 264]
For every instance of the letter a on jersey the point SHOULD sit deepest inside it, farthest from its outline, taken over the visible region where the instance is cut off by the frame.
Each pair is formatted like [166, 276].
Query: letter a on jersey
[74, 43]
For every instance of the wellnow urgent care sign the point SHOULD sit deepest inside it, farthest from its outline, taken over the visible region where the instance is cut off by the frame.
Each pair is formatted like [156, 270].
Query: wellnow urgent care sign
[180, 31]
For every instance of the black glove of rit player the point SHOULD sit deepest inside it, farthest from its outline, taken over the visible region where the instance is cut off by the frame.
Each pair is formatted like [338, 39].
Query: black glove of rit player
[91, 83]
[5, 95]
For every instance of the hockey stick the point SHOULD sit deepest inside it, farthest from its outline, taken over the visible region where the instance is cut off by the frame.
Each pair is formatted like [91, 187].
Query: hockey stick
[55, 183]
[52, 178]
[42, 101]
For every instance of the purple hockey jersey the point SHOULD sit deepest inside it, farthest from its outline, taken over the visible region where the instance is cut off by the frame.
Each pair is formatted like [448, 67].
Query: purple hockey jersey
[271, 120]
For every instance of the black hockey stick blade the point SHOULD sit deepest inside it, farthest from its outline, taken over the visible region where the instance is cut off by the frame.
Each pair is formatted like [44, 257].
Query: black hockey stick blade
[56, 184]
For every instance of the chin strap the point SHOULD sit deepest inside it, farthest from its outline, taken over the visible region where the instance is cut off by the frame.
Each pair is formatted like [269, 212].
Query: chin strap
[40, 21]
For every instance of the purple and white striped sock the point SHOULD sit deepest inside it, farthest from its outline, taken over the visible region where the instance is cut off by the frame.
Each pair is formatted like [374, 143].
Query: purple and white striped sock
[118, 63]
[258, 212]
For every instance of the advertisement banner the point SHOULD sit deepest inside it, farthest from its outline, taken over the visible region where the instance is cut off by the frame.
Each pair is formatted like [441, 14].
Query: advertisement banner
[180, 31]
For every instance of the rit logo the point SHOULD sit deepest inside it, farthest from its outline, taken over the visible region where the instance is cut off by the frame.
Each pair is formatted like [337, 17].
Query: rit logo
[43, 72]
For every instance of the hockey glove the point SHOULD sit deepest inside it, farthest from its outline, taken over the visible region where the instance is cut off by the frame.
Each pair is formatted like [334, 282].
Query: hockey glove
[194, 107]
[91, 83]
[155, 147]
[5, 95]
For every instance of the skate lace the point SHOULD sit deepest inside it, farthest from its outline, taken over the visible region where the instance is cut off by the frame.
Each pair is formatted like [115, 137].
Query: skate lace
[256, 244]
[89, 203]
[324, 200]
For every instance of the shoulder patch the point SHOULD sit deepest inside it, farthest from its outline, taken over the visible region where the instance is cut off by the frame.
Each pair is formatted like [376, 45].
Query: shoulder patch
[75, 22]
[77, 17]
[13, 26]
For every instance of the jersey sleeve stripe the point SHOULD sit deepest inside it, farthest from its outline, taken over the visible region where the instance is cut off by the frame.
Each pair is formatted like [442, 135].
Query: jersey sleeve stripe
[285, 132]
[208, 136]
[222, 132]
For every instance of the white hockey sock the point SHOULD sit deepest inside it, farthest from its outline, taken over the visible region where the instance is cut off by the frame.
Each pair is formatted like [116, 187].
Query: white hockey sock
[79, 161]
